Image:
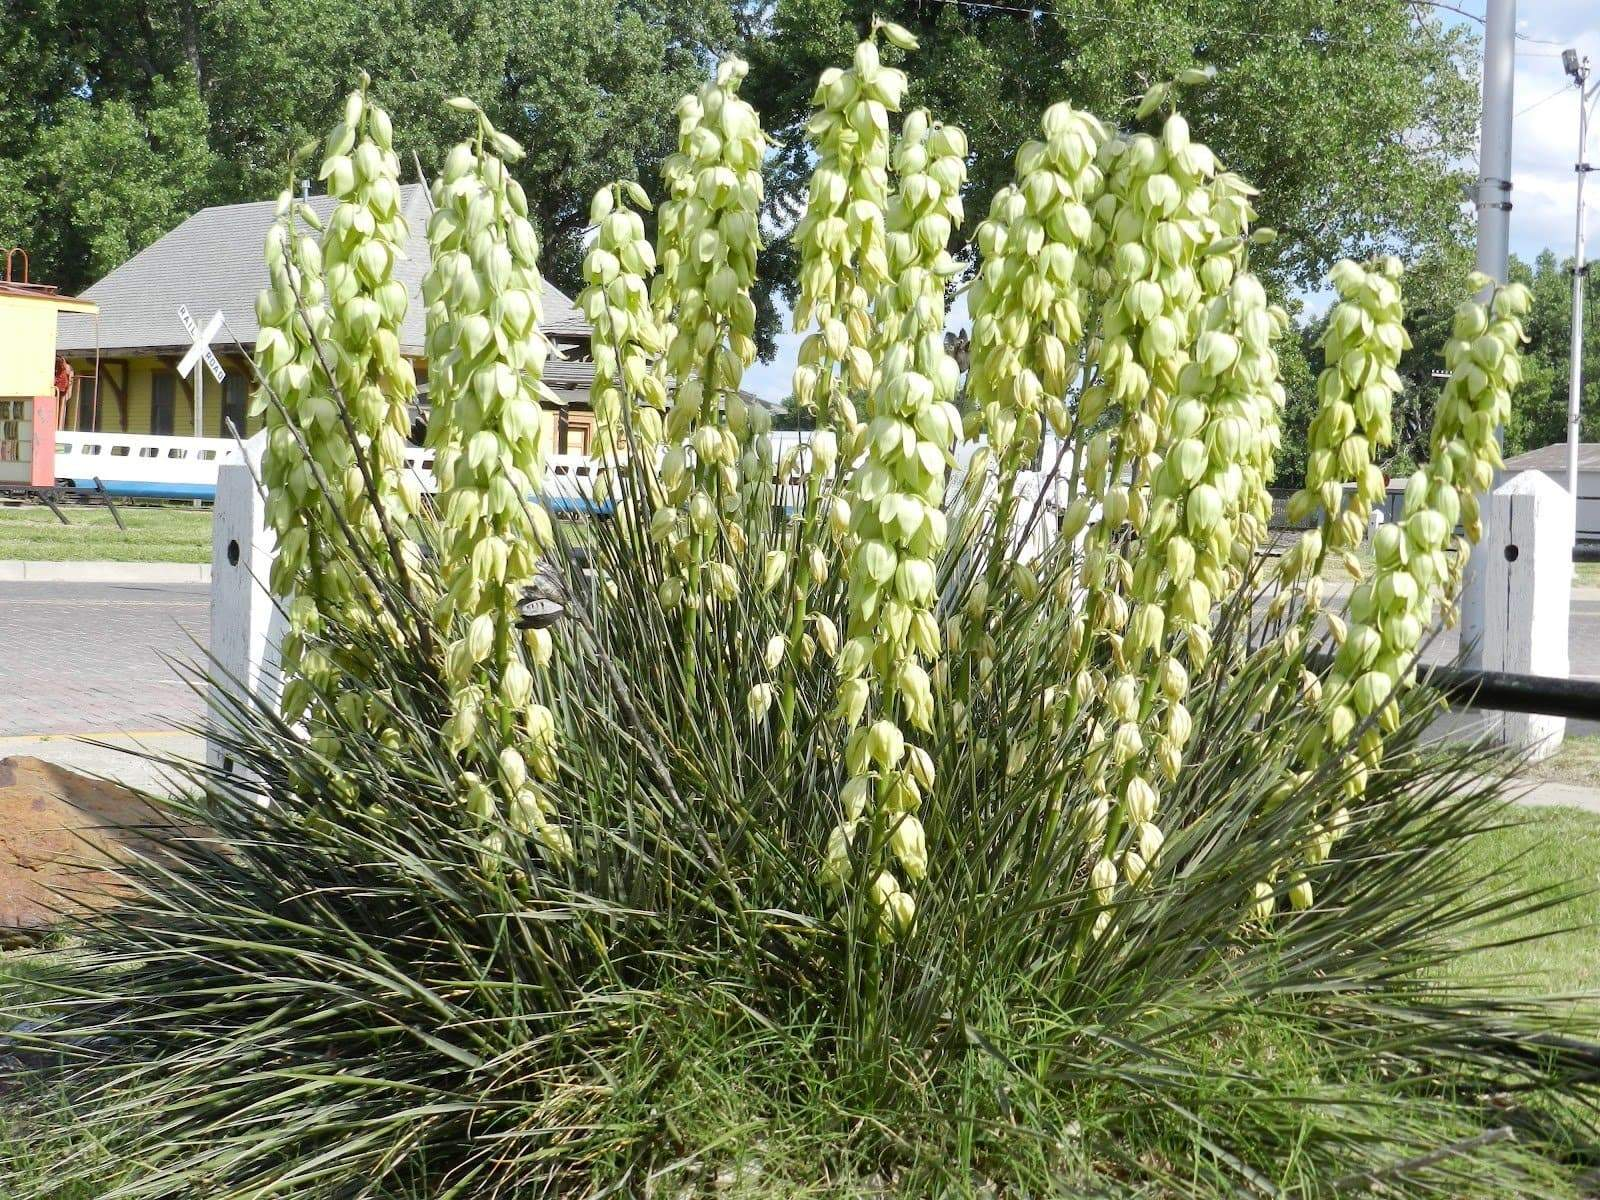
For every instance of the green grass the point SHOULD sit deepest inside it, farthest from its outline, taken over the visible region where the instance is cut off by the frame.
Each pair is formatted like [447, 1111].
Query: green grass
[1578, 761]
[181, 535]
[721, 1090]
[1557, 848]
[1588, 574]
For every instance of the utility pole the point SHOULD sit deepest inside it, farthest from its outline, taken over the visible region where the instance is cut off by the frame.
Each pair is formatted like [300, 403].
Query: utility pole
[1493, 194]
[1579, 71]
[1492, 197]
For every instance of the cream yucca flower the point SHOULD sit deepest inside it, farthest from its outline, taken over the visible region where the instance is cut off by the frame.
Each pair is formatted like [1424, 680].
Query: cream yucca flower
[842, 237]
[330, 332]
[1363, 343]
[1028, 300]
[627, 391]
[897, 493]
[707, 239]
[488, 435]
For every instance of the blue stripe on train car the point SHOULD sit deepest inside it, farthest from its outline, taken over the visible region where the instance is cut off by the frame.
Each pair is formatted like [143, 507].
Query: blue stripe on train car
[151, 491]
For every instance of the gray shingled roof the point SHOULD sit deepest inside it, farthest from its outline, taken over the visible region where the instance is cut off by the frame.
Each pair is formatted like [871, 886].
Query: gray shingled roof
[213, 260]
[1553, 458]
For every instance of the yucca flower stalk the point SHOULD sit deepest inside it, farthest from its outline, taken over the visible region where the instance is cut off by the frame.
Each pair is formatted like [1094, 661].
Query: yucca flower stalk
[627, 392]
[844, 267]
[899, 530]
[331, 318]
[707, 239]
[1028, 318]
[1362, 346]
[488, 436]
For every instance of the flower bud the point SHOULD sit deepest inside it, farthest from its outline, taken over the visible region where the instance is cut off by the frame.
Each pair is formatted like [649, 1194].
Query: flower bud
[758, 700]
[777, 646]
[910, 847]
[1139, 799]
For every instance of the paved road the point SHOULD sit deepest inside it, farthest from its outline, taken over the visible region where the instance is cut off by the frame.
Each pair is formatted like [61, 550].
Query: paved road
[92, 658]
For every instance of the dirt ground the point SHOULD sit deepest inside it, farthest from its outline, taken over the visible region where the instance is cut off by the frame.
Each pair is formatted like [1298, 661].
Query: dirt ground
[61, 835]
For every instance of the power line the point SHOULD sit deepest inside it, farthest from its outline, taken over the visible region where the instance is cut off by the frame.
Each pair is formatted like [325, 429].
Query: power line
[1564, 88]
[1472, 16]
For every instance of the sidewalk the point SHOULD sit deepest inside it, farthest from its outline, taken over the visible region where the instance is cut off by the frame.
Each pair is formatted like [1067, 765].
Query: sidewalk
[1546, 793]
[113, 759]
[93, 571]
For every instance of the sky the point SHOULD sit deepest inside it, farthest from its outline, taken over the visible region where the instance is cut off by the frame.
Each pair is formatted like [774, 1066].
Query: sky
[1544, 133]
[1544, 145]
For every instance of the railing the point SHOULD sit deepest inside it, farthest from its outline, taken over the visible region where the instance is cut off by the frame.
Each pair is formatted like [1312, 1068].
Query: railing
[185, 468]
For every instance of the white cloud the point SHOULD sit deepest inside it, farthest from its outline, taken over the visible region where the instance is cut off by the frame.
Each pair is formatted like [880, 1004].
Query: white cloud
[1544, 134]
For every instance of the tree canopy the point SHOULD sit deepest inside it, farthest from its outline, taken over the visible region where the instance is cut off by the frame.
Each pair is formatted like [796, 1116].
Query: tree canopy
[1352, 116]
[120, 117]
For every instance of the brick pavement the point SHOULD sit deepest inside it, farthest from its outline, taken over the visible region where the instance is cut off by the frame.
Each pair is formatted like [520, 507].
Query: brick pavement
[90, 658]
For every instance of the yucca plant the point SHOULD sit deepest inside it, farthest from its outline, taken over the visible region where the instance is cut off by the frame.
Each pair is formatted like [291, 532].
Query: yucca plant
[831, 844]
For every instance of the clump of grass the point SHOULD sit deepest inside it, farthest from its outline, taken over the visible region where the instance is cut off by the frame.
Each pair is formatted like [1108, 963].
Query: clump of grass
[352, 996]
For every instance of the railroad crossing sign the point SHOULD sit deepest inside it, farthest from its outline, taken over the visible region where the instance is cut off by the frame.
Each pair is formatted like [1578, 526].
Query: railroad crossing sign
[201, 350]
[199, 353]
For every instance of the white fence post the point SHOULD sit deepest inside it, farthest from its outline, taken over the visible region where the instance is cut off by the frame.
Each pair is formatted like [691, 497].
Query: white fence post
[1526, 582]
[246, 625]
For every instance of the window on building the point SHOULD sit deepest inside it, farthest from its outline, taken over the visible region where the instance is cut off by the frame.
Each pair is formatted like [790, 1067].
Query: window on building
[235, 403]
[163, 402]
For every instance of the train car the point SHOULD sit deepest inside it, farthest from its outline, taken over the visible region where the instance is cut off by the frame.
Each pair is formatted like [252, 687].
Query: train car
[145, 467]
[32, 379]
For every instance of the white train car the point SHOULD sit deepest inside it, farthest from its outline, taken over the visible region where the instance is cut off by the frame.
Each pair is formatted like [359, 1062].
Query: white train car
[141, 467]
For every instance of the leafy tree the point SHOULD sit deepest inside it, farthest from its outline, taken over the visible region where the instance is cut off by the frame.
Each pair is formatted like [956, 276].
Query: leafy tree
[118, 174]
[1351, 116]
[587, 86]
[1539, 409]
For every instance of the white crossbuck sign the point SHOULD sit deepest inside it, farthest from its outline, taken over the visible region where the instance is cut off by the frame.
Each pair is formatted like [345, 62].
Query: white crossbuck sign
[201, 350]
[199, 353]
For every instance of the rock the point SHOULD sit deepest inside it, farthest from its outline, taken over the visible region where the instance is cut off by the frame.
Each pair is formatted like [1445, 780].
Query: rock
[61, 836]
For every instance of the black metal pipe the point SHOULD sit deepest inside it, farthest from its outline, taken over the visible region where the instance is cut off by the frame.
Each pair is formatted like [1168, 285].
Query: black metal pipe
[1504, 691]
[1507, 691]
[1586, 552]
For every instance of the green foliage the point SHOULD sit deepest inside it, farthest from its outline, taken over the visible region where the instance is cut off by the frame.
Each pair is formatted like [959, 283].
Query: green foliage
[588, 87]
[122, 175]
[1371, 164]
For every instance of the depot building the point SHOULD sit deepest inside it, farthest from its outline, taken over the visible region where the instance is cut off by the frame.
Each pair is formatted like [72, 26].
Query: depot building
[124, 344]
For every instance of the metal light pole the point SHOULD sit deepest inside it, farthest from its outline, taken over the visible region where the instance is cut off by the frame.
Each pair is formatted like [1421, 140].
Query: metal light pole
[1494, 154]
[1492, 197]
[1579, 71]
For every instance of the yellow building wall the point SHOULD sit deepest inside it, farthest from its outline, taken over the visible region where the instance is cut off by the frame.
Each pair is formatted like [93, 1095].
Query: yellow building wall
[27, 346]
[579, 424]
[141, 371]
